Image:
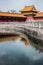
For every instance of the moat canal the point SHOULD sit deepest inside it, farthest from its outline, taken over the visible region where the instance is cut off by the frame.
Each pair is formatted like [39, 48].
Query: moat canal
[15, 52]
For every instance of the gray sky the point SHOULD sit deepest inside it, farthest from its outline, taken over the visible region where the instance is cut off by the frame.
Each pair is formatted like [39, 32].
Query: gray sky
[6, 5]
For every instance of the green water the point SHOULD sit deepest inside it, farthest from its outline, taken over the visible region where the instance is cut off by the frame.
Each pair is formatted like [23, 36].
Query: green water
[17, 53]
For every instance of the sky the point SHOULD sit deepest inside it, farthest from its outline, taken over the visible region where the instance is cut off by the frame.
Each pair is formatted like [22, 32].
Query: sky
[7, 5]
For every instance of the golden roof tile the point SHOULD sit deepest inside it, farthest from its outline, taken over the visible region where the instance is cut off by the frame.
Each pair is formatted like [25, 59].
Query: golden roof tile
[39, 14]
[11, 14]
[28, 8]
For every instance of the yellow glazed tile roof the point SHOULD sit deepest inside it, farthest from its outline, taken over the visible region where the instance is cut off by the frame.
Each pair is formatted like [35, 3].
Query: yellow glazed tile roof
[28, 13]
[28, 8]
[40, 14]
[11, 14]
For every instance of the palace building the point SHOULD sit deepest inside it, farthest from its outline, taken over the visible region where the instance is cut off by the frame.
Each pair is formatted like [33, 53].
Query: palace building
[33, 17]
[11, 17]
[28, 13]
[39, 16]
[32, 13]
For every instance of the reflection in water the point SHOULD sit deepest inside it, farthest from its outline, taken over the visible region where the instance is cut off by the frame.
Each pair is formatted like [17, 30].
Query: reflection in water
[15, 37]
[6, 38]
[17, 53]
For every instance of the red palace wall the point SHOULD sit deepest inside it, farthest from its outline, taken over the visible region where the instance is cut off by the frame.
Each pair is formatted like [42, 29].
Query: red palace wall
[34, 18]
[12, 19]
[20, 19]
[38, 18]
[30, 18]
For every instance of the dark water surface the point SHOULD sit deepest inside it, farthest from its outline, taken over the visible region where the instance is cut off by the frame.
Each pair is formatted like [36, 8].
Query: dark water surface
[17, 53]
